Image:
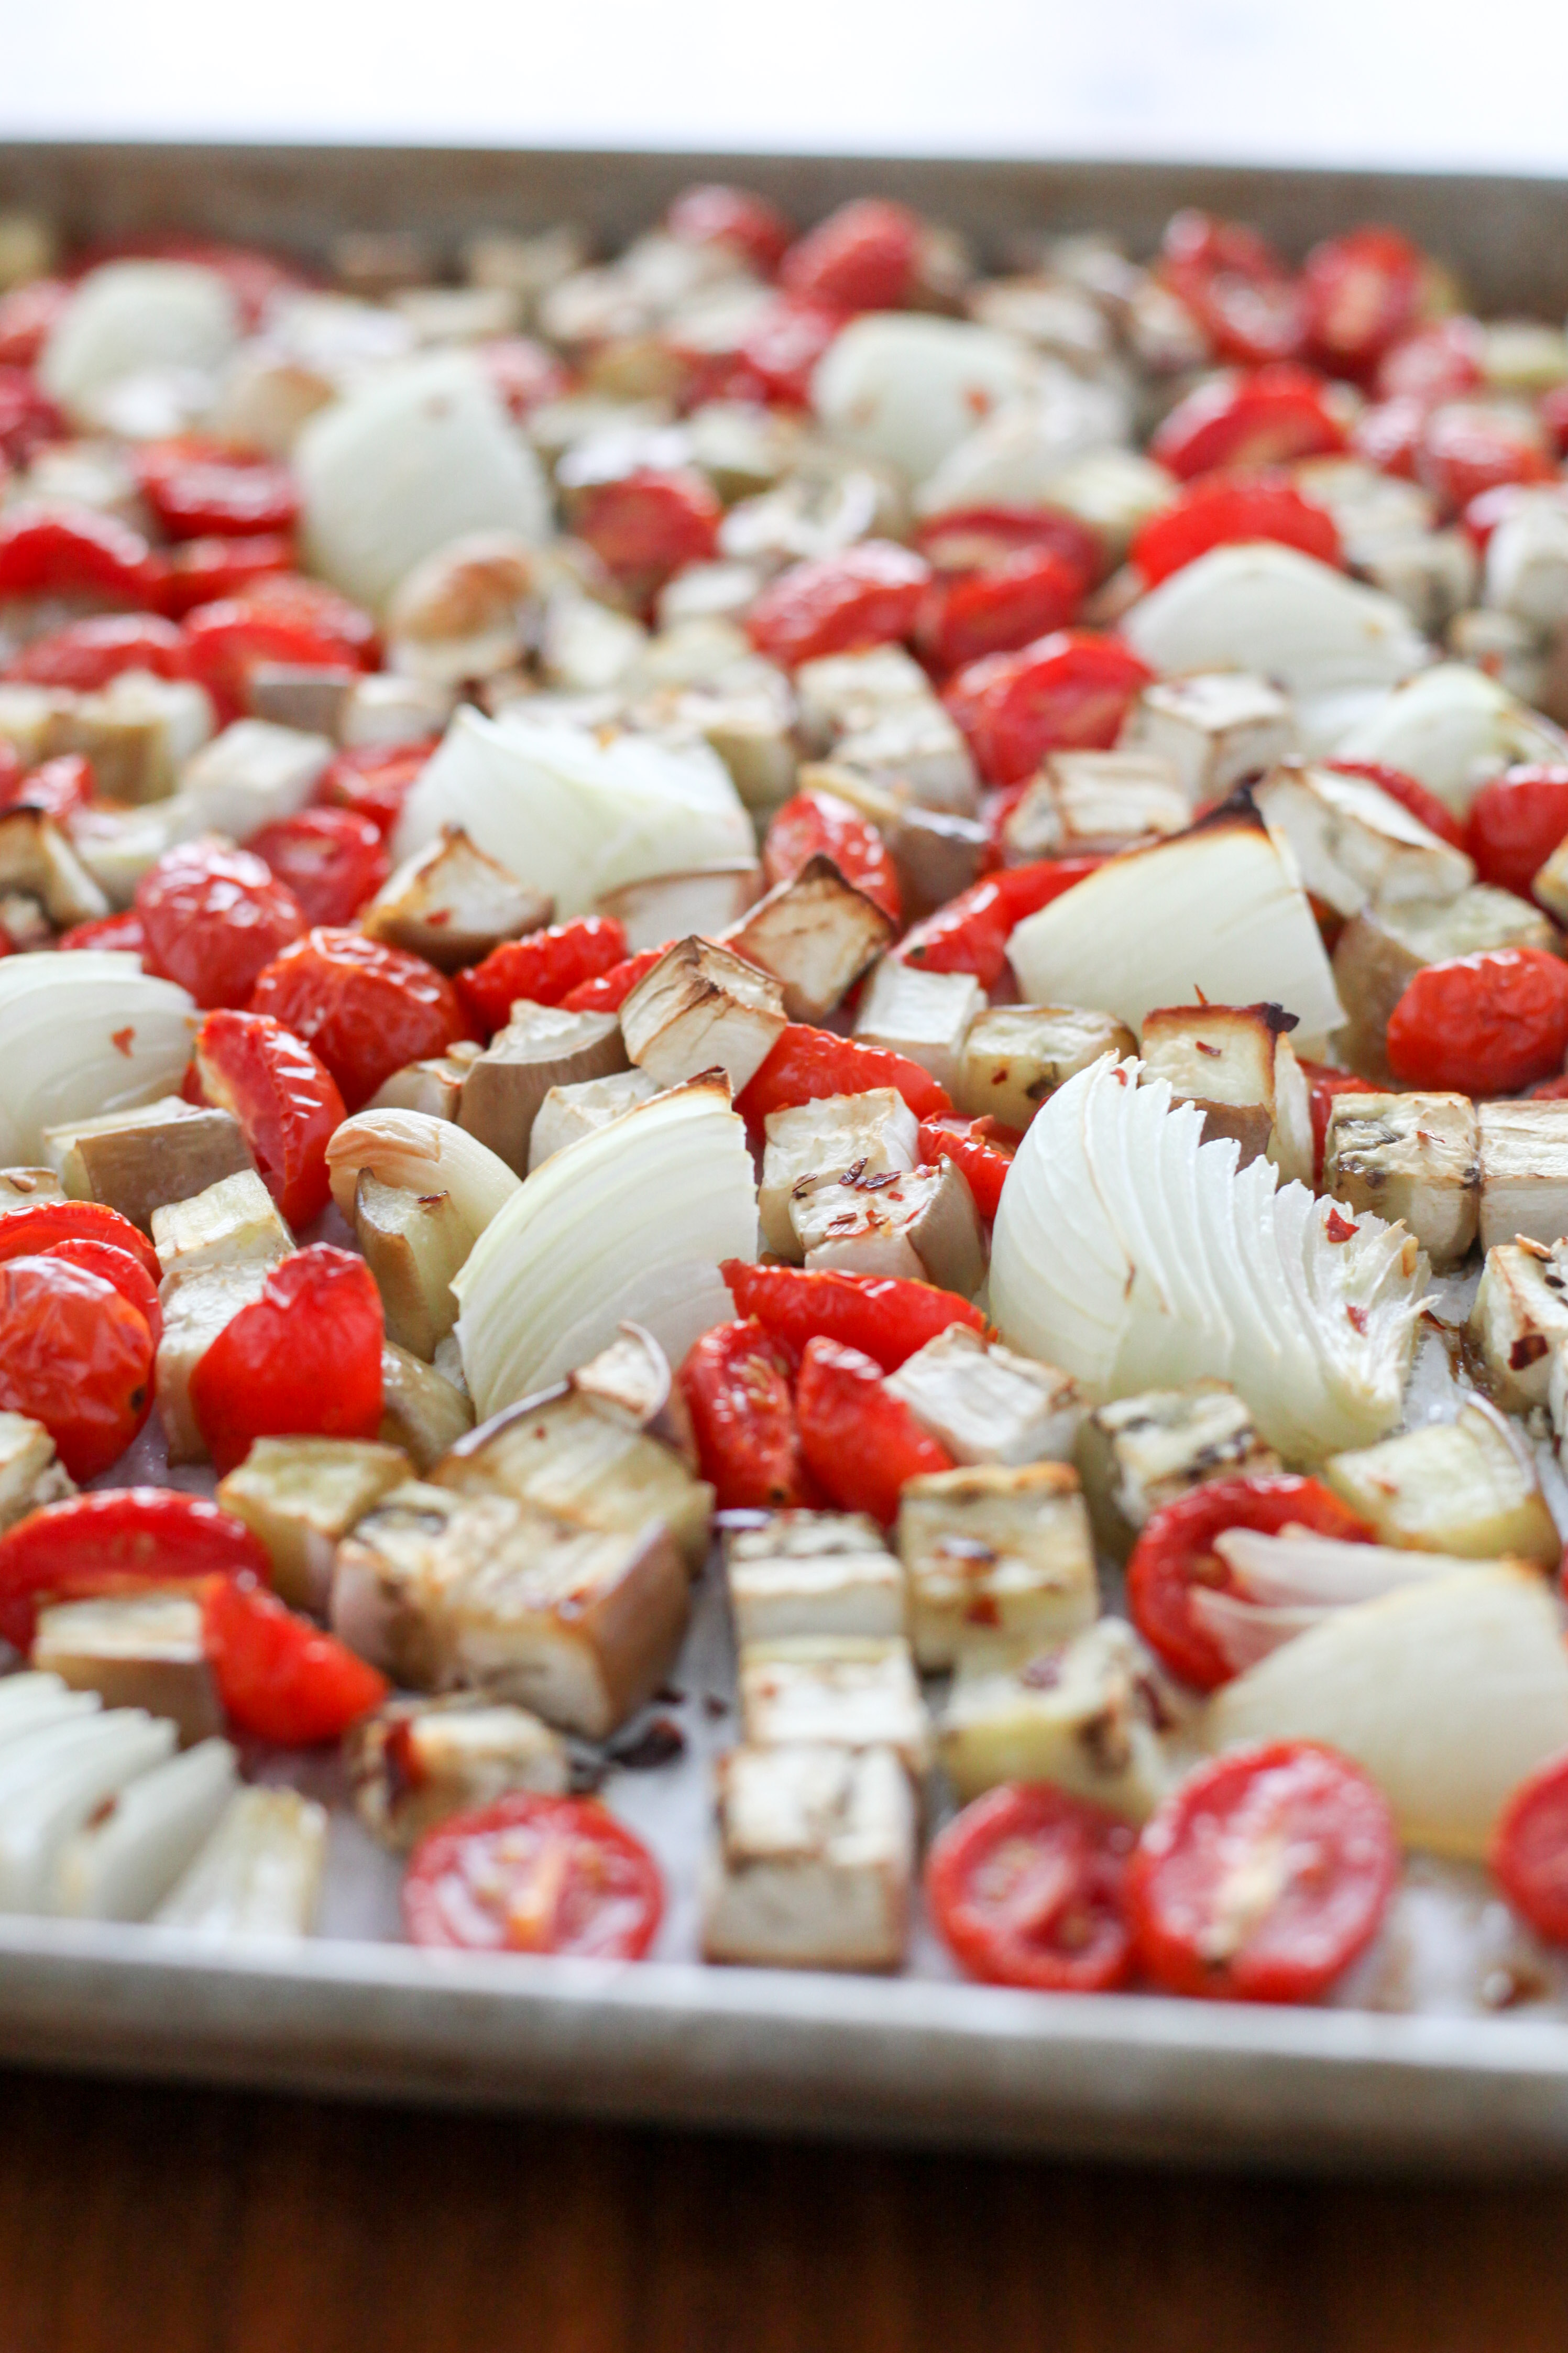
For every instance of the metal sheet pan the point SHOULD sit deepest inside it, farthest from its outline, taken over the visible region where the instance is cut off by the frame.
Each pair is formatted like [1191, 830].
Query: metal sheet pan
[918, 2058]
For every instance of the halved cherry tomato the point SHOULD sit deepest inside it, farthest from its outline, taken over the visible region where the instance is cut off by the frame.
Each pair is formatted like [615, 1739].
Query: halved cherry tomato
[547, 968]
[1467, 447]
[199, 489]
[278, 618]
[1175, 1551]
[126, 1537]
[881, 1316]
[1516, 822]
[647, 526]
[522, 373]
[864, 256]
[39, 1225]
[976, 539]
[122, 933]
[59, 787]
[964, 615]
[1387, 435]
[304, 1360]
[85, 655]
[806, 1063]
[1263, 1875]
[1223, 509]
[28, 315]
[213, 919]
[1423, 805]
[1027, 1887]
[608, 991]
[534, 1874]
[209, 571]
[1269, 416]
[278, 1677]
[735, 1382]
[1552, 409]
[1529, 1850]
[376, 779]
[287, 1103]
[124, 1269]
[1324, 1085]
[1234, 285]
[66, 550]
[819, 824]
[712, 213]
[1364, 291]
[1488, 1024]
[868, 596]
[980, 1149]
[1069, 691]
[331, 859]
[1440, 362]
[972, 931]
[364, 1010]
[75, 1356]
[858, 1440]
[29, 420]
[777, 354]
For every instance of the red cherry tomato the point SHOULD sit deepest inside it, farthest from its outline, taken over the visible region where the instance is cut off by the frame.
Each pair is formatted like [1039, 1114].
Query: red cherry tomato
[1423, 805]
[213, 919]
[523, 374]
[67, 551]
[1465, 447]
[287, 1103]
[1235, 286]
[881, 1317]
[29, 420]
[1488, 1024]
[211, 570]
[981, 1149]
[736, 1386]
[819, 824]
[864, 256]
[777, 354]
[1267, 417]
[1226, 508]
[1364, 291]
[376, 779]
[1529, 1850]
[713, 213]
[1174, 1552]
[975, 539]
[59, 787]
[123, 1269]
[608, 991]
[1263, 1875]
[545, 968]
[1070, 692]
[278, 618]
[198, 489]
[75, 1356]
[1027, 1887]
[1552, 409]
[28, 315]
[85, 655]
[364, 1010]
[278, 1677]
[859, 1442]
[126, 1536]
[972, 931]
[1516, 822]
[122, 933]
[1387, 435]
[304, 1360]
[40, 1225]
[1324, 1085]
[868, 596]
[965, 616]
[1440, 362]
[806, 1063]
[647, 526]
[332, 860]
[534, 1874]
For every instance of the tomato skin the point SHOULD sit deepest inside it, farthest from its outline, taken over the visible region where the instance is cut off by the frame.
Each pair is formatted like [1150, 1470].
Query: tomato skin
[59, 787]
[40, 1225]
[608, 991]
[1025, 1838]
[1069, 691]
[1387, 435]
[364, 1010]
[806, 1063]
[1324, 1085]
[710, 213]
[1516, 822]
[123, 932]
[1467, 449]
[1529, 1855]
[373, 780]
[122, 1268]
[1341, 1851]
[126, 1535]
[646, 526]
[304, 1360]
[75, 1356]
[978, 539]
[819, 824]
[1234, 285]
[963, 617]
[287, 1103]
[878, 1316]
[29, 420]
[860, 1440]
[547, 968]
[778, 353]
[198, 489]
[972, 931]
[278, 1677]
[1440, 362]
[1553, 410]
[332, 860]
[868, 596]
[60, 551]
[1175, 1551]
[213, 919]
[276, 619]
[27, 314]
[1267, 417]
[1488, 1024]
[1223, 509]
[85, 655]
[210, 571]
[735, 1382]
[1423, 805]
[978, 1150]
[595, 1889]
[864, 256]
[522, 374]
[1364, 291]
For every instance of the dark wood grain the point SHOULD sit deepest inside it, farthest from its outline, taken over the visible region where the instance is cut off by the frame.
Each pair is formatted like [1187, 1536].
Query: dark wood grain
[144, 2221]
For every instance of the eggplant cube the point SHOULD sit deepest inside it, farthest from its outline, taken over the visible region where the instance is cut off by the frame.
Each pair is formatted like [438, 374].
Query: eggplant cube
[1465, 1487]
[30, 1472]
[1222, 1058]
[812, 1860]
[829, 1689]
[1354, 844]
[926, 1016]
[301, 1496]
[421, 1410]
[1016, 1055]
[1524, 1171]
[254, 773]
[842, 695]
[994, 1550]
[452, 904]
[37, 863]
[1088, 803]
[148, 1158]
[569, 1112]
[989, 1405]
[1088, 1717]
[434, 1087]
[414, 1762]
[916, 749]
[1414, 1158]
[1139, 1453]
[702, 1008]
[703, 902]
[812, 1573]
[816, 933]
[1520, 1321]
[920, 1227]
[138, 733]
[136, 1649]
[225, 1225]
[381, 709]
[1214, 729]
[543, 1046]
[1381, 950]
[413, 1243]
[870, 1135]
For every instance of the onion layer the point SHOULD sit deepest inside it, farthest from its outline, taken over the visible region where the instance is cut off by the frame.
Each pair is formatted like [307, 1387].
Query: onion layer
[84, 1035]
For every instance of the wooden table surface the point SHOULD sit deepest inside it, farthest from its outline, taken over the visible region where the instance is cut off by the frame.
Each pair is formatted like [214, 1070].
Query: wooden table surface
[151, 2220]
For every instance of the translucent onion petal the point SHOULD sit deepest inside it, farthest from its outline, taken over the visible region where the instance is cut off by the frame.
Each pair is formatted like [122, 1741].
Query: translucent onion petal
[420, 1154]
[80, 1036]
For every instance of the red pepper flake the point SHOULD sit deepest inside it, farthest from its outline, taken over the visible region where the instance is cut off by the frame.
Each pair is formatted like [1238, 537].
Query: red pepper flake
[1358, 1318]
[1337, 1229]
[123, 1040]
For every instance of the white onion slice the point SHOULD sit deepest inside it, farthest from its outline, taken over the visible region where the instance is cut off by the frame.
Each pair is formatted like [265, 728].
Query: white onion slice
[907, 389]
[82, 1035]
[1297, 1568]
[419, 1153]
[1243, 1631]
[674, 1303]
[1452, 728]
[132, 316]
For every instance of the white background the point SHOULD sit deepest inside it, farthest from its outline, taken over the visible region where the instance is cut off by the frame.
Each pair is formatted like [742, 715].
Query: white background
[1464, 83]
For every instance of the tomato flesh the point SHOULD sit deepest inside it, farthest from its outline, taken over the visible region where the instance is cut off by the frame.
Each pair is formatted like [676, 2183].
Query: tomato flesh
[545, 968]
[122, 1268]
[214, 571]
[972, 931]
[66, 550]
[287, 1103]
[213, 919]
[1236, 286]
[1466, 449]
[126, 1537]
[878, 1316]
[868, 596]
[364, 1010]
[980, 1149]
[804, 1063]
[199, 489]
[1269, 418]
[331, 859]
[534, 1874]
[608, 991]
[859, 1442]
[1488, 1024]
[304, 1360]
[75, 1356]
[1516, 822]
[736, 1385]
[1027, 1887]
[1263, 1875]
[1529, 1850]
[1070, 692]
[1225, 508]
[278, 1677]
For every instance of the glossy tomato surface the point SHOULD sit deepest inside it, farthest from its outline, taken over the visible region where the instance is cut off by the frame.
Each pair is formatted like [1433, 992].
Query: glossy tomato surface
[302, 1361]
[213, 919]
[364, 1010]
[534, 1874]
[76, 1356]
[1488, 1024]
[1027, 1887]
